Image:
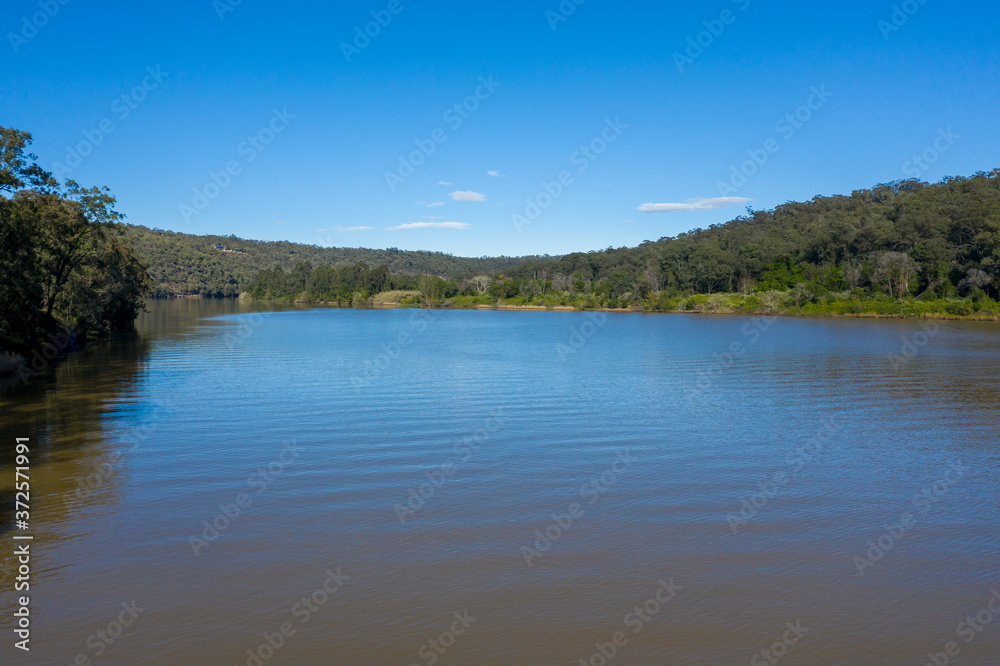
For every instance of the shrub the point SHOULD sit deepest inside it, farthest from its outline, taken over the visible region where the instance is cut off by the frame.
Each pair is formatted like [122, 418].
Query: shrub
[394, 297]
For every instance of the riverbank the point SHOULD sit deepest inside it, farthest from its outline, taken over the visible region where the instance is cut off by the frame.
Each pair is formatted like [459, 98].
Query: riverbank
[781, 304]
[762, 313]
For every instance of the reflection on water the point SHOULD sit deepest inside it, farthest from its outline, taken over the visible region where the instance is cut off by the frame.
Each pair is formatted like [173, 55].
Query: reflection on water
[64, 408]
[62, 412]
[402, 487]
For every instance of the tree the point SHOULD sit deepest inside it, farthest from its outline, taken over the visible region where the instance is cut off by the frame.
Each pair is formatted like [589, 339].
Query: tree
[852, 275]
[65, 261]
[481, 283]
[74, 230]
[894, 271]
[432, 287]
[653, 277]
[975, 279]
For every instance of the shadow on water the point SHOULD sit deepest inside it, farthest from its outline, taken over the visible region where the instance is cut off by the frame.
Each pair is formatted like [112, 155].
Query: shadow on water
[63, 410]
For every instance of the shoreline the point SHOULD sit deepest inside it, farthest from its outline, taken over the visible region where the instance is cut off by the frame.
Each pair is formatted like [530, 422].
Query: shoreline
[936, 316]
[12, 363]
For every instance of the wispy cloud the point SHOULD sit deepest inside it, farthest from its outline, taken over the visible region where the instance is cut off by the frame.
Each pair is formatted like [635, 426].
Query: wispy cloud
[346, 229]
[432, 204]
[495, 174]
[445, 183]
[282, 223]
[467, 196]
[694, 204]
[431, 217]
[433, 225]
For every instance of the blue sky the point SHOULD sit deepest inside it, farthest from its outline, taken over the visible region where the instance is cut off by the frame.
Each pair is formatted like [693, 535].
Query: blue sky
[308, 130]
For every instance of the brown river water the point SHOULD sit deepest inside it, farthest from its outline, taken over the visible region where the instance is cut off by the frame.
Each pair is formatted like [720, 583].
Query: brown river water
[413, 487]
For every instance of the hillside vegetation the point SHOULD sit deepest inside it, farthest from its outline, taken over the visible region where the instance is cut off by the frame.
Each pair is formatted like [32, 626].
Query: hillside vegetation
[185, 264]
[905, 248]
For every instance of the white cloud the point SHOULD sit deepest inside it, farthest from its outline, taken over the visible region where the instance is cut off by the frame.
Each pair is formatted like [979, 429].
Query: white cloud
[467, 196]
[446, 184]
[629, 221]
[431, 217]
[435, 204]
[694, 204]
[346, 229]
[282, 223]
[433, 225]
[495, 174]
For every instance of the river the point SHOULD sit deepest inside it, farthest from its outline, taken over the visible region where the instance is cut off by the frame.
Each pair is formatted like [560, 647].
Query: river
[339, 486]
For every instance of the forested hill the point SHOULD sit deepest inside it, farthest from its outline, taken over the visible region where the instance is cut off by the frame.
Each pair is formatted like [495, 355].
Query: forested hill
[899, 240]
[188, 264]
[906, 238]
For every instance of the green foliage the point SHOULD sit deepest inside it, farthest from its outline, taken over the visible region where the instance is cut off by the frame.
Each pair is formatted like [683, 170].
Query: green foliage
[782, 274]
[895, 241]
[432, 288]
[357, 282]
[66, 264]
[899, 240]
[184, 264]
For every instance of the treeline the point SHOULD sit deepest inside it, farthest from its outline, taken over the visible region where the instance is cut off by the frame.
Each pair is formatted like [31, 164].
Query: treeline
[225, 266]
[347, 284]
[902, 239]
[874, 251]
[67, 270]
